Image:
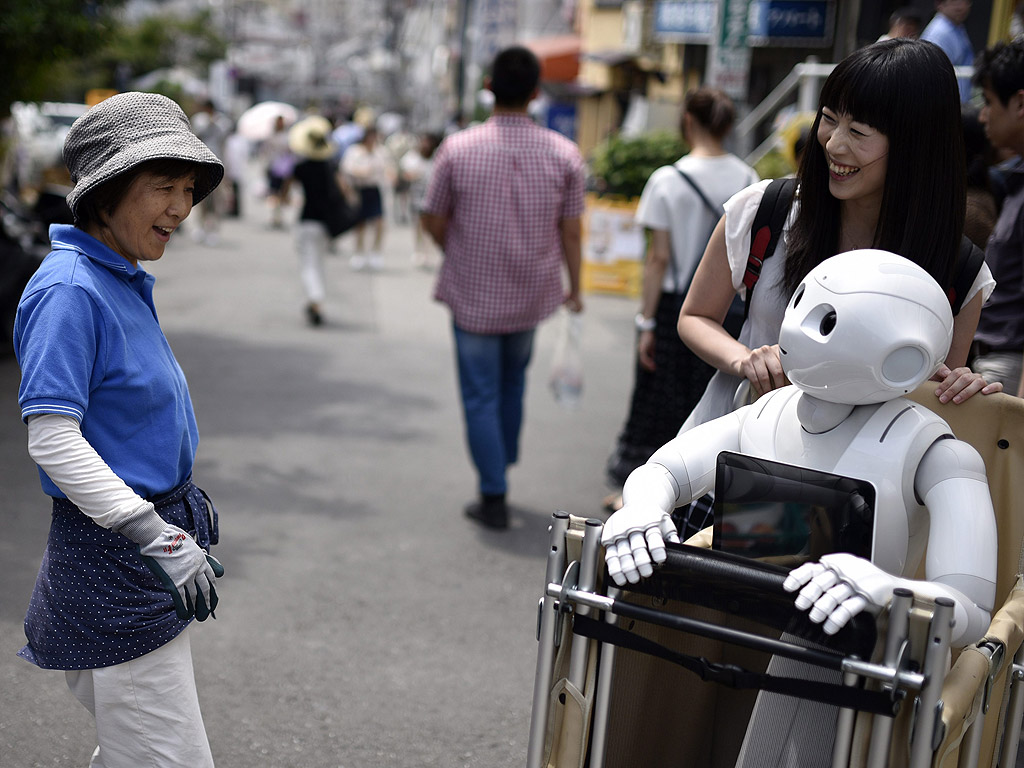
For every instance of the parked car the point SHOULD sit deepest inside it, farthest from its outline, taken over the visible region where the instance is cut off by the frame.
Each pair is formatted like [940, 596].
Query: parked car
[40, 129]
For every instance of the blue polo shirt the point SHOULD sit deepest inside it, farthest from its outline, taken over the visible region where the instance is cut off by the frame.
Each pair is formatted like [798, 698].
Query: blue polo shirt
[90, 346]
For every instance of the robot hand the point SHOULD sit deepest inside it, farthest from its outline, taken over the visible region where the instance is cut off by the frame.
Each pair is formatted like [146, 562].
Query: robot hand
[838, 587]
[634, 538]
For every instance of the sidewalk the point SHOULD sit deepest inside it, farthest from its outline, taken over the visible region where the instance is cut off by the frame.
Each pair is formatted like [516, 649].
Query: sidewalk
[364, 621]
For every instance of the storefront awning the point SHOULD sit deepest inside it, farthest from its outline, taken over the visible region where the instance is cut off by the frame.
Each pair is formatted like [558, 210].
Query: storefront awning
[559, 57]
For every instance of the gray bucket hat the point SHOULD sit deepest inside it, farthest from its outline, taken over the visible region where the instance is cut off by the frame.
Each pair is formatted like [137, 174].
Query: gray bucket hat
[126, 130]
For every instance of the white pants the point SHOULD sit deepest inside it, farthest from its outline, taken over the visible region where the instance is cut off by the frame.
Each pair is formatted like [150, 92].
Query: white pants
[147, 710]
[1004, 367]
[311, 242]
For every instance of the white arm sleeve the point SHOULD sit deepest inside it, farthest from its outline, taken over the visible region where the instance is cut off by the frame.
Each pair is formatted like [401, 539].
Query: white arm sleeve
[56, 444]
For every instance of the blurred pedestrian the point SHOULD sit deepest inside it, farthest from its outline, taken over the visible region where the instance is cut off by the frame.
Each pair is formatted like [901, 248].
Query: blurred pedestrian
[322, 207]
[236, 169]
[982, 208]
[279, 162]
[680, 206]
[369, 168]
[947, 30]
[999, 340]
[111, 426]
[904, 22]
[213, 128]
[417, 167]
[504, 204]
[399, 144]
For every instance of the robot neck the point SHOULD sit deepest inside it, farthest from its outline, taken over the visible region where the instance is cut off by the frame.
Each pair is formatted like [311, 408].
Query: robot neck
[818, 416]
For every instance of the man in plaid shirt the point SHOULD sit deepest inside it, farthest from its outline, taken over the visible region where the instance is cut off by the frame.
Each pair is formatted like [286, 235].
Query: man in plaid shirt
[504, 204]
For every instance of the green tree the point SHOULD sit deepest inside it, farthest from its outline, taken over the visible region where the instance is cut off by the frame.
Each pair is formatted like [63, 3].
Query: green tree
[39, 39]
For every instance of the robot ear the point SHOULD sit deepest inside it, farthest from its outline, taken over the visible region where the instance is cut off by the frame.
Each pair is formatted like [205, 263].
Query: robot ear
[906, 366]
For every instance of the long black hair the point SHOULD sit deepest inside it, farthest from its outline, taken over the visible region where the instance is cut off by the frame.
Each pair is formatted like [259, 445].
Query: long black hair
[905, 89]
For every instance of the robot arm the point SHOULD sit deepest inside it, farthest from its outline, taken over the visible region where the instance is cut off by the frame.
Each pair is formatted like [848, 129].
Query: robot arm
[679, 472]
[961, 553]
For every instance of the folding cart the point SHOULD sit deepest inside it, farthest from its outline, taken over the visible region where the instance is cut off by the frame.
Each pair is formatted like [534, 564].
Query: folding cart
[665, 673]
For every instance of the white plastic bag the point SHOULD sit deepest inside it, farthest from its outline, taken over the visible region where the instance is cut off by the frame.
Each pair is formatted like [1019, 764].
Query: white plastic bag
[567, 365]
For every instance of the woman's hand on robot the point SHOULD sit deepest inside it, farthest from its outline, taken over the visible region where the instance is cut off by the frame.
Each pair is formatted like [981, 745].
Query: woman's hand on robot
[838, 587]
[959, 384]
[763, 369]
[634, 540]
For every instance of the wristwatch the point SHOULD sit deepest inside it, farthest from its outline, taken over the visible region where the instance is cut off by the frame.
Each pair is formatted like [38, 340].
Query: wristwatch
[644, 323]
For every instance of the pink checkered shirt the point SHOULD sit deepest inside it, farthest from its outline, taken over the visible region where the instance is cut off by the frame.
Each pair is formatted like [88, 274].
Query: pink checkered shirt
[504, 187]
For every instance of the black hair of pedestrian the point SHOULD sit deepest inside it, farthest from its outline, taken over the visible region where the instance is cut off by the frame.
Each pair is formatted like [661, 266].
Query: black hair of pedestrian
[430, 142]
[906, 13]
[1001, 69]
[980, 153]
[98, 204]
[515, 74]
[713, 110]
[906, 90]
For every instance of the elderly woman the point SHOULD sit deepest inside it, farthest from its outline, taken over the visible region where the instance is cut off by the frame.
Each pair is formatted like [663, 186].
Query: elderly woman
[111, 426]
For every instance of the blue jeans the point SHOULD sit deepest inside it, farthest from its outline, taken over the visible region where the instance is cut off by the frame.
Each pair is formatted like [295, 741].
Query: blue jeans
[492, 379]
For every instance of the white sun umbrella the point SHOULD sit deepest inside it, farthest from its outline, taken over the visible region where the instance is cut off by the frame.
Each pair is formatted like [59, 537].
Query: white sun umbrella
[257, 122]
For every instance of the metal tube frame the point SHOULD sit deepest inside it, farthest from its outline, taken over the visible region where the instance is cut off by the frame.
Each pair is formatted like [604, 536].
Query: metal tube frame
[1014, 711]
[549, 618]
[923, 742]
[895, 645]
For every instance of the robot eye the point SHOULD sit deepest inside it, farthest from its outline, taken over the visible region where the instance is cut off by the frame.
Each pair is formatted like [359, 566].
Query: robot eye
[828, 323]
[798, 295]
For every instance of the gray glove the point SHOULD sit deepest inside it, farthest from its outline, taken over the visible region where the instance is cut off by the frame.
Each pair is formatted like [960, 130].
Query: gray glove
[184, 569]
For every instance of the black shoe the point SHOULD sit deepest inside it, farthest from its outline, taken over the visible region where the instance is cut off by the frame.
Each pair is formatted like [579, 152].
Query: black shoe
[313, 315]
[491, 512]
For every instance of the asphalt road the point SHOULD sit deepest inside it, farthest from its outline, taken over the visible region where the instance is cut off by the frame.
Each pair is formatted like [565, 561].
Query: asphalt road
[363, 620]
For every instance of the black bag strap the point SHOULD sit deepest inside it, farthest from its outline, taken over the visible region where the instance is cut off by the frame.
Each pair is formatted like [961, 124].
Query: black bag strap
[969, 262]
[716, 210]
[732, 676]
[769, 220]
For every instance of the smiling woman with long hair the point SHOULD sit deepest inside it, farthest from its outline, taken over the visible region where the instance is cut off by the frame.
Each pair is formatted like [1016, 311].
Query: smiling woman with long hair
[884, 169]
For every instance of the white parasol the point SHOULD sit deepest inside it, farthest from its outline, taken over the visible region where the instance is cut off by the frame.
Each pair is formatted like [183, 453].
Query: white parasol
[257, 122]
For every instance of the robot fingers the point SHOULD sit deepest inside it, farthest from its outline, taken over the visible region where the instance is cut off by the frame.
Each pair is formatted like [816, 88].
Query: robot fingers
[656, 545]
[627, 566]
[825, 605]
[641, 557]
[815, 588]
[800, 576]
[849, 608]
[668, 529]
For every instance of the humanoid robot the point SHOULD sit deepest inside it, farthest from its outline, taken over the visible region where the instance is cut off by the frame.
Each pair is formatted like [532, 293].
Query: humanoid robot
[863, 329]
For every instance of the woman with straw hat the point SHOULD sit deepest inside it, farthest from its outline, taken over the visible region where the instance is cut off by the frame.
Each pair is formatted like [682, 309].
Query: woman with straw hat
[325, 212]
[111, 426]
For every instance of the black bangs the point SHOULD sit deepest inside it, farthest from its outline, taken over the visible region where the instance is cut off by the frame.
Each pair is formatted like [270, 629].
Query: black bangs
[882, 82]
[862, 87]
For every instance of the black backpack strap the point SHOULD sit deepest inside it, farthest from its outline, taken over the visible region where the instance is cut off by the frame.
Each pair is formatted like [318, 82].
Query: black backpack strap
[968, 264]
[769, 220]
[716, 210]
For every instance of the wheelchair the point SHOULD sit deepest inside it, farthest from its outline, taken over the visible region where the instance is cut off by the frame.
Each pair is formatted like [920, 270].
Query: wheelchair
[667, 672]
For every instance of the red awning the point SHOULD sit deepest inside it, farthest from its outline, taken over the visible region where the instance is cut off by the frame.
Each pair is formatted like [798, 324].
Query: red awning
[559, 57]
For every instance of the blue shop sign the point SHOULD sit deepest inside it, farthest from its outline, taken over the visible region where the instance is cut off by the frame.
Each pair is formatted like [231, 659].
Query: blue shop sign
[770, 22]
[561, 117]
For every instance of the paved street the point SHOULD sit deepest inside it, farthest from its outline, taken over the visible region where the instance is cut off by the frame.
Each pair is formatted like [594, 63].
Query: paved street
[363, 620]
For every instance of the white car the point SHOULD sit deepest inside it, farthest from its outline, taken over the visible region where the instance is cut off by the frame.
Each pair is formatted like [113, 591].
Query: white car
[41, 128]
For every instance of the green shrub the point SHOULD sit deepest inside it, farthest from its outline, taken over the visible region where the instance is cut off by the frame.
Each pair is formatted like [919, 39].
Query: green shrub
[622, 166]
[774, 165]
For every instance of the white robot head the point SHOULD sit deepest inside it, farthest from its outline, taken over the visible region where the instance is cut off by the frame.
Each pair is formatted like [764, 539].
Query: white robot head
[864, 327]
